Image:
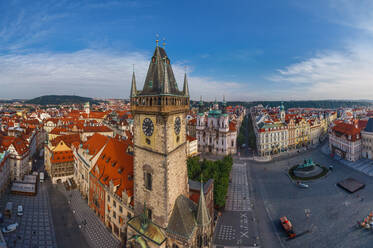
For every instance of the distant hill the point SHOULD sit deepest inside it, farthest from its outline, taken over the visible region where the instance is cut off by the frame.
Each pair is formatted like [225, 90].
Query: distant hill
[60, 99]
[327, 104]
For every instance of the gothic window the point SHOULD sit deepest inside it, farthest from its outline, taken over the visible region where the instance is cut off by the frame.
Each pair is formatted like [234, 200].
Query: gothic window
[148, 180]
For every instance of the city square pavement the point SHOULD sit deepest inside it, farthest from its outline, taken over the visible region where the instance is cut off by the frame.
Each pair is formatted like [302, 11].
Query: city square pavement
[95, 232]
[324, 212]
[236, 227]
[35, 228]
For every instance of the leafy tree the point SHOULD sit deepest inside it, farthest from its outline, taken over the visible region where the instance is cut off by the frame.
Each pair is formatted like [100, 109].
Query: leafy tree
[218, 170]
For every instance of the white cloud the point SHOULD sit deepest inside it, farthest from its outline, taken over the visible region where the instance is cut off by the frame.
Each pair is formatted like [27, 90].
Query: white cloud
[336, 74]
[344, 74]
[96, 74]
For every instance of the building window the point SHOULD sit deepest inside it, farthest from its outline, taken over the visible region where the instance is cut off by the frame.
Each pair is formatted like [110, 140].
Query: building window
[148, 180]
[114, 203]
[108, 198]
[129, 216]
[149, 213]
[120, 209]
[114, 215]
[175, 246]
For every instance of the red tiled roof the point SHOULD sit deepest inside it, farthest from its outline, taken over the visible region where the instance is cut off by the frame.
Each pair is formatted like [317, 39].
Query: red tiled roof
[68, 139]
[190, 138]
[101, 129]
[117, 165]
[351, 130]
[95, 143]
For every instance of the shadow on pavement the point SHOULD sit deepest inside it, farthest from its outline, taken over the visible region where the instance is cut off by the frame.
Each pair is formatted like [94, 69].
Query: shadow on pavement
[66, 228]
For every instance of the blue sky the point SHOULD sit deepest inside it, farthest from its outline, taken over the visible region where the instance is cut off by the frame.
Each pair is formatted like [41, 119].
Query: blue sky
[245, 50]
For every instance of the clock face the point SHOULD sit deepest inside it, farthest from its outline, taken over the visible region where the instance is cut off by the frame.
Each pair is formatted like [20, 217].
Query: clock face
[147, 127]
[177, 125]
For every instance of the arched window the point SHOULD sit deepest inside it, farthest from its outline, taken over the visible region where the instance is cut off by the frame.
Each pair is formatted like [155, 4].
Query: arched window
[148, 180]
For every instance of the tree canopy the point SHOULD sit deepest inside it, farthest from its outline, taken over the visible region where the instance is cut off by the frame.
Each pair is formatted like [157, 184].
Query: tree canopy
[218, 170]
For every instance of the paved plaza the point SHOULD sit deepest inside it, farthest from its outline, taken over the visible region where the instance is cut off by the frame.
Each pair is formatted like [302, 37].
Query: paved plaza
[238, 198]
[35, 228]
[97, 235]
[236, 227]
[327, 212]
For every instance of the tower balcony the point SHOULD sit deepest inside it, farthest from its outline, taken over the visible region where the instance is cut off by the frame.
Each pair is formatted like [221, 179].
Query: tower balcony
[163, 104]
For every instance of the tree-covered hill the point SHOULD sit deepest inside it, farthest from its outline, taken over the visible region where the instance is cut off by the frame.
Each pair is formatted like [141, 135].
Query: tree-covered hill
[60, 99]
[325, 104]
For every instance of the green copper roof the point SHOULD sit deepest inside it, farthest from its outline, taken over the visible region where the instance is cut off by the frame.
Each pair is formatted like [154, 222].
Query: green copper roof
[215, 112]
[152, 232]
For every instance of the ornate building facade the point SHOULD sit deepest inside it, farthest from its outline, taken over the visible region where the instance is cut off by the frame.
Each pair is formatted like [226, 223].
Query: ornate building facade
[164, 216]
[215, 133]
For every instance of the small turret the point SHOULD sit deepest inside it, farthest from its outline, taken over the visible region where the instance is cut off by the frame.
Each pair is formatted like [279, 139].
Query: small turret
[186, 87]
[203, 217]
[133, 85]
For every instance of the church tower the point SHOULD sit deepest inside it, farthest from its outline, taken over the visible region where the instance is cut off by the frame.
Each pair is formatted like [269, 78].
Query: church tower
[282, 112]
[160, 169]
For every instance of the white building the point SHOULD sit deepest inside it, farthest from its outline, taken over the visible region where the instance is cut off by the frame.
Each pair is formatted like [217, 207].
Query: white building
[215, 133]
[345, 140]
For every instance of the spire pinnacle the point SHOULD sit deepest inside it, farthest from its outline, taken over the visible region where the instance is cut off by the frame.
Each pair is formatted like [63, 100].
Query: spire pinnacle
[133, 84]
[157, 39]
[203, 217]
[186, 87]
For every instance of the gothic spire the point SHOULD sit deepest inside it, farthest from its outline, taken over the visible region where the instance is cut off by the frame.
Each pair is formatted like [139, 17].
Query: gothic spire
[133, 85]
[186, 87]
[160, 77]
[203, 217]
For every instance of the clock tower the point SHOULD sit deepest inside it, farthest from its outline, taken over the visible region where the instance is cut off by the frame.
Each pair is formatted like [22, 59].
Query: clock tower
[160, 169]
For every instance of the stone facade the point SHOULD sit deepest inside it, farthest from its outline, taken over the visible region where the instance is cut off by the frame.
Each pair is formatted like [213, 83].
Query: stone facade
[164, 215]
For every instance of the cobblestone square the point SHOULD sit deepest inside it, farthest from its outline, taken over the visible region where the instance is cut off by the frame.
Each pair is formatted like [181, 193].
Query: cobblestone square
[36, 225]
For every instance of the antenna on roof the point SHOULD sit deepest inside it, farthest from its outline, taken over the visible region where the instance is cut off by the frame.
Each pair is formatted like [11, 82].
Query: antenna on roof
[157, 39]
[133, 67]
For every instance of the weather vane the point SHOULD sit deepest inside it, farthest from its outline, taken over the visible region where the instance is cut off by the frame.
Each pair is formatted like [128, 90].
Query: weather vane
[157, 38]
